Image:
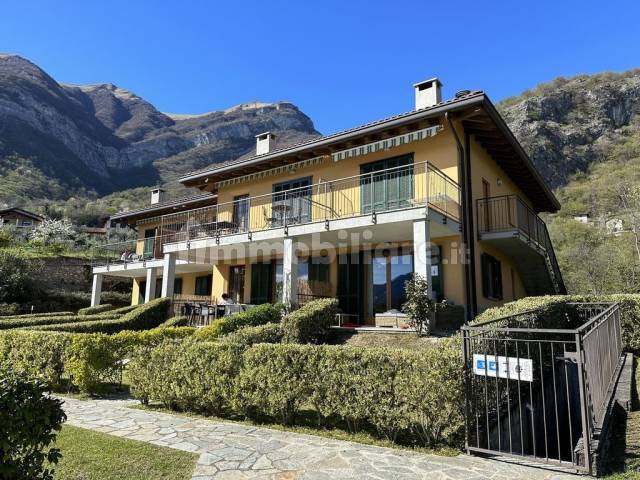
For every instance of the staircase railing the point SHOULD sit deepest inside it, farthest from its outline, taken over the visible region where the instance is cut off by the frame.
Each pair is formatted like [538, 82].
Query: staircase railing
[508, 213]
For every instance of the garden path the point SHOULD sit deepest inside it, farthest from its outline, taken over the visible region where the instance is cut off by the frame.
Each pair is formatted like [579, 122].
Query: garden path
[235, 451]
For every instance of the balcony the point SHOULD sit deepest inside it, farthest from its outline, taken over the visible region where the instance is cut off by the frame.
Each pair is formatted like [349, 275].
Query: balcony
[128, 252]
[394, 189]
[509, 224]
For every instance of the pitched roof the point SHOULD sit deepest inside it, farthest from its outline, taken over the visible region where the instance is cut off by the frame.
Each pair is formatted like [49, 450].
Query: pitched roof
[193, 201]
[473, 109]
[22, 212]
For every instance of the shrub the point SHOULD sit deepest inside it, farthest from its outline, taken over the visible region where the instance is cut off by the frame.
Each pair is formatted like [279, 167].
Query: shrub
[18, 277]
[40, 354]
[177, 321]
[418, 307]
[97, 309]
[36, 315]
[186, 375]
[247, 336]
[40, 322]
[96, 359]
[8, 309]
[311, 322]
[416, 394]
[260, 315]
[552, 306]
[28, 421]
[144, 317]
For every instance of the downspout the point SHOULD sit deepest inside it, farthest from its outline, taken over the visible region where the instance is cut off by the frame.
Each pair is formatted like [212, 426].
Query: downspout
[466, 223]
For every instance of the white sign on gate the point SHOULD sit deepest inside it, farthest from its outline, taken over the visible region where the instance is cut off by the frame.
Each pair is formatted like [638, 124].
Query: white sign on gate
[503, 367]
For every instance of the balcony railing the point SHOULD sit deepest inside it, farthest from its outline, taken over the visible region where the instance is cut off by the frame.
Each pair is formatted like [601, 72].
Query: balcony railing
[414, 185]
[509, 213]
[127, 252]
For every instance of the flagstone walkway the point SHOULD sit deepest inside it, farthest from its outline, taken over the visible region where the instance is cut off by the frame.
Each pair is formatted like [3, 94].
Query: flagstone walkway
[234, 451]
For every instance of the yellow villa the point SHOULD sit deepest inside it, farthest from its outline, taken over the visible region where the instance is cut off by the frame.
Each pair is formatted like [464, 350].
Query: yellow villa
[444, 191]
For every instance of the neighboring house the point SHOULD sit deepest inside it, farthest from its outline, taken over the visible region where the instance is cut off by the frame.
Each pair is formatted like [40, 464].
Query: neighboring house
[614, 226]
[444, 190]
[19, 218]
[582, 218]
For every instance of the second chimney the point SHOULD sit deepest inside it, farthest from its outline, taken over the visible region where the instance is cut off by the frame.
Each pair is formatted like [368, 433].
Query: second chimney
[158, 195]
[428, 93]
[265, 143]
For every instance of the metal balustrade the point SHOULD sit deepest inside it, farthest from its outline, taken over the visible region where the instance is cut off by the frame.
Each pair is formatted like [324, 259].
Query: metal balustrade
[509, 213]
[408, 186]
[539, 384]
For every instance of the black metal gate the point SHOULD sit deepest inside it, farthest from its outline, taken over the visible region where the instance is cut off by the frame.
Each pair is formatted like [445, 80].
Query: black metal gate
[538, 384]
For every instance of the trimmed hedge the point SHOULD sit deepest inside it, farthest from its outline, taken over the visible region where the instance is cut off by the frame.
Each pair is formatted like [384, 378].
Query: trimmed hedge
[105, 307]
[35, 315]
[247, 336]
[144, 317]
[34, 323]
[260, 315]
[88, 359]
[40, 354]
[311, 322]
[401, 393]
[552, 306]
[177, 321]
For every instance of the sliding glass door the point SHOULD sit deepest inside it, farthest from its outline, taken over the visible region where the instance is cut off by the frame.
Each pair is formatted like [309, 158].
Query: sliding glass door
[390, 269]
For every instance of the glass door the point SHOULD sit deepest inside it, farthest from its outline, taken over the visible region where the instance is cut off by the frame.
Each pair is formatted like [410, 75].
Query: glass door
[390, 269]
[241, 213]
[291, 202]
[149, 242]
[261, 283]
[236, 283]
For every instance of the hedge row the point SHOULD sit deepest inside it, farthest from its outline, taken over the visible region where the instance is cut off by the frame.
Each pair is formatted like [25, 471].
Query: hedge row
[553, 306]
[418, 395]
[260, 315]
[35, 315]
[311, 322]
[105, 307]
[247, 336]
[143, 317]
[88, 360]
[177, 321]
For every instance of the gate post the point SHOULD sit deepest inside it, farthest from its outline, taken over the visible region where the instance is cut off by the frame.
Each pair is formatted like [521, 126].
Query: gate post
[466, 349]
[586, 428]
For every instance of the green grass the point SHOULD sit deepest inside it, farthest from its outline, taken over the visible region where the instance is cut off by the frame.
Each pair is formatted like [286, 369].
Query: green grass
[88, 455]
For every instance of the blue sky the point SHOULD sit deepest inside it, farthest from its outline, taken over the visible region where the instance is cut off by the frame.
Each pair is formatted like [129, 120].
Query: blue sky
[343, 63]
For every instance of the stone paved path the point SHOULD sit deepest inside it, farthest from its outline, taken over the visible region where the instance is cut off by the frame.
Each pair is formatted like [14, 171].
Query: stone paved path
[235, 451]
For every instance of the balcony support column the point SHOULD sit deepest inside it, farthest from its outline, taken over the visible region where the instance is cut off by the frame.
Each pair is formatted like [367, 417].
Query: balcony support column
[422, 251]
[168, 274]
[290, 272]
[150, 285]
[96, 290]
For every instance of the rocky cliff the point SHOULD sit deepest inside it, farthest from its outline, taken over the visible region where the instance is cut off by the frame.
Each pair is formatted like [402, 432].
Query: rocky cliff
[57, 140]
[568, 124]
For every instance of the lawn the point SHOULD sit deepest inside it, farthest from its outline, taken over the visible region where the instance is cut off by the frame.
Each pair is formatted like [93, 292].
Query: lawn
[88, 455]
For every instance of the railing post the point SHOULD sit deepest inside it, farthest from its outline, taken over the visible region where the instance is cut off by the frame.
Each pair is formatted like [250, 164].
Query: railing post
[586, 427]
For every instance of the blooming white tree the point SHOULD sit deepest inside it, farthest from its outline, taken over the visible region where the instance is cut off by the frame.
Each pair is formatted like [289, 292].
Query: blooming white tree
[53, 231]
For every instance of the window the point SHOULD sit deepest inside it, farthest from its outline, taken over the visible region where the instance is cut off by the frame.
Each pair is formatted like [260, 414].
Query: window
[203, 285]
[149, 242]
[241, 213]
[236, 283]
[318, 269]
[27, 223]
[386, 189]
[389, 272]
[291, 202]
[491, 277]
[177, 286]
[261, 283]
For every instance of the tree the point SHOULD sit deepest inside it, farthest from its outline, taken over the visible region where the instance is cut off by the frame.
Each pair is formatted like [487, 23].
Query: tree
[419, 307]
[18, 277]
[53, 231]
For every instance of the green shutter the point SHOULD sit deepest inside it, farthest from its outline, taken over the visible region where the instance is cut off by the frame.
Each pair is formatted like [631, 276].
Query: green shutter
[386, 190]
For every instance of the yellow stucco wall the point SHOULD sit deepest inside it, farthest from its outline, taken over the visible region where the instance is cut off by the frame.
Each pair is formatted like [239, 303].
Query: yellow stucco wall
[483, 167]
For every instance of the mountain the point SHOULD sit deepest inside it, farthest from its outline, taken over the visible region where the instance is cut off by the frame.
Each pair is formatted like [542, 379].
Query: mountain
[583, 134]
[59, 140]
[568, 124]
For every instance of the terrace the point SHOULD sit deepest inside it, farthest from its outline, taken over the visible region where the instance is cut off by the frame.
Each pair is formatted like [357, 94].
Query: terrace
[403, 188]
